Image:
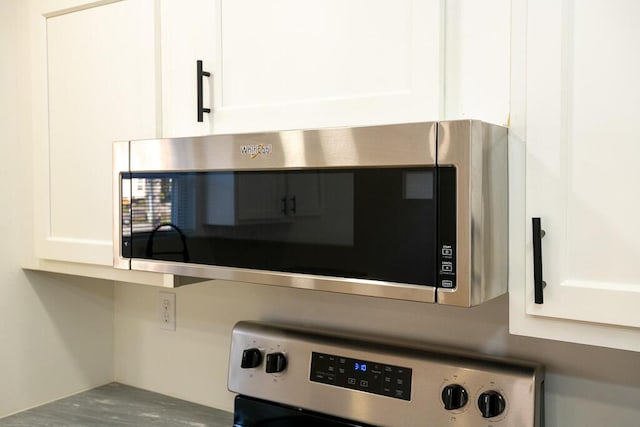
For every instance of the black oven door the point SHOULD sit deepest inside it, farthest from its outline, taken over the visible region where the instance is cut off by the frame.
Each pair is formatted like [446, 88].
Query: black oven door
[250, 412]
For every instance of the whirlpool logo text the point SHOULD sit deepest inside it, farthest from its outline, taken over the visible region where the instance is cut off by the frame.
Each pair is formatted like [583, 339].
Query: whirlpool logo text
[255, 150]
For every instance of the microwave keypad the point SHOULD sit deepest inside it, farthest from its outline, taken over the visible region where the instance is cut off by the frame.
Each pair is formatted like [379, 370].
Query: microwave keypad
[447, 266]
[446, 249]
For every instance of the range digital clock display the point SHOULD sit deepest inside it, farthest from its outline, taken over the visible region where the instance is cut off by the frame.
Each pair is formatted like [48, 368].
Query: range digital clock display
[364, 375]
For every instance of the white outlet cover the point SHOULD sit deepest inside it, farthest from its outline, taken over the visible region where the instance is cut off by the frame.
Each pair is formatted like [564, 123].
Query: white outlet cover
[167, 311]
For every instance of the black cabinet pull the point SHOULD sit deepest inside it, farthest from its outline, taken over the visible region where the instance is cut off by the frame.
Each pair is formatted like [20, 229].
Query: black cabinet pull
[538, 282]
[294, 205]
[285, 207]
[201, 74]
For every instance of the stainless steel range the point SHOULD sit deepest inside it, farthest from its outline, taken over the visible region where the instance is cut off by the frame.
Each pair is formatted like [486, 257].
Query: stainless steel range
[288, 376]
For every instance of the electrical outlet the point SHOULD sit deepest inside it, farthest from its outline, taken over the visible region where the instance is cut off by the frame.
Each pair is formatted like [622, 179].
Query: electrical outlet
[168, 311]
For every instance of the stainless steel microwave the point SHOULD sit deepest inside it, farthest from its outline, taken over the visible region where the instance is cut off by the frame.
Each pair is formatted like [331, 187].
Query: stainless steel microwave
[413, 211]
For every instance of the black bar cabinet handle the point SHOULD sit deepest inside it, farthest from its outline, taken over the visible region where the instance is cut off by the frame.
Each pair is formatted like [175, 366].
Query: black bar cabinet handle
[200, 75]
[285, 207]
[538, 282]
[294, 205]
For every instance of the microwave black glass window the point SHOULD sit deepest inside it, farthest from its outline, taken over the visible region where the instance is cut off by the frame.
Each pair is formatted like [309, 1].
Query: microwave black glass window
[349, 223]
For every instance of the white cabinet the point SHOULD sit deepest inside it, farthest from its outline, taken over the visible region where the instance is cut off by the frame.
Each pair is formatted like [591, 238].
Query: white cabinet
[94, 81]
[248, 198]
[120, 70]
[189, 33]
[297, 64]
[305, 194]
[258, 197]
[291, 64]
[574, 131]
[101, 88]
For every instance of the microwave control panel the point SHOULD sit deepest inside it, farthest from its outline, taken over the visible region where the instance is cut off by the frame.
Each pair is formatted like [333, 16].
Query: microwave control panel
[446, 251]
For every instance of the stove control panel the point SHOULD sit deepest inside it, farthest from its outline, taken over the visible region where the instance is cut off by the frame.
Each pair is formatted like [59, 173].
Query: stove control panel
[382, 383]
[363, 375]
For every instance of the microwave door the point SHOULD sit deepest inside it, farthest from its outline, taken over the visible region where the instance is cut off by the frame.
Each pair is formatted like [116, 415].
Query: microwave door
[396, 224]
[375, 224]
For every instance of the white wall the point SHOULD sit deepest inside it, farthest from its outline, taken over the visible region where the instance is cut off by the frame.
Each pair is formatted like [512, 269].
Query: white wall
[56, 332]
[586, 386]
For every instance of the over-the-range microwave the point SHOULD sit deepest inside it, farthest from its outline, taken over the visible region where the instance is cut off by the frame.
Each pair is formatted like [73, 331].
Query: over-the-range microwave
[414, 211]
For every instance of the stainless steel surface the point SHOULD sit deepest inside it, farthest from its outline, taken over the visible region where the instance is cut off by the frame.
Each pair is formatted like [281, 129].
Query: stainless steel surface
[374, 288]
[120, 161]
[477, 150]
[520, 383]
[406, 144]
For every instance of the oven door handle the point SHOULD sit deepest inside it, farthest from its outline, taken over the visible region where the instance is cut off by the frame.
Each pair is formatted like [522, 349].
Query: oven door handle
[299, 421]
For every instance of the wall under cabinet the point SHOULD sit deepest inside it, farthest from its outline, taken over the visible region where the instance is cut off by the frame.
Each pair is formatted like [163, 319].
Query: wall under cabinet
[586, 386]
[56, 332]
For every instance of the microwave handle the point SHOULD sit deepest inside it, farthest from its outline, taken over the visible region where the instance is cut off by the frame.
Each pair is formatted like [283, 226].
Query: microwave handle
[538, 283]
[200, 75]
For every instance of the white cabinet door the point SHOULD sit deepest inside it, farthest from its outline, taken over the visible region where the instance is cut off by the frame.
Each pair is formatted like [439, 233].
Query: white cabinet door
[260, 197]
[304, 194]
[245, 199]
[101, 87]
[581, 150]
[291, 64]
[189, 30]
[255, 197]
[301, 64]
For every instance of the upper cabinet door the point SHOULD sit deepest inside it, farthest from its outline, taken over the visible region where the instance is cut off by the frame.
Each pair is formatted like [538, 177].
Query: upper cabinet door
[582, 94]
[298, 64]
[100, 66]
[291, 64]
[189, 33]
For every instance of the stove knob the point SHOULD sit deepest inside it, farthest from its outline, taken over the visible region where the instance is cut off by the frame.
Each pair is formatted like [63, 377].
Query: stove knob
[276, 362]
[491, 404]
[454, 396]
[251, 358]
